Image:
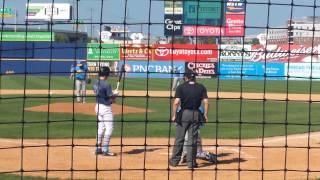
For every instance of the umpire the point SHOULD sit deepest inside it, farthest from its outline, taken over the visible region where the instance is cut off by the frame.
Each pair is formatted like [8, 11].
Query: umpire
[189, 96]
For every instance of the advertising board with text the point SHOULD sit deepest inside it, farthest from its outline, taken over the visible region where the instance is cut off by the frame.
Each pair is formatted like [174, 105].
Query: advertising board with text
[95, 66]
[186, 52]
[27, 36]
[203, 31]
[202, 12]
[173, 7]
[172, 25]
[105, 52]
[234, 25]
[156, 69]
[135, 52]
[235, 52]
[48, 11]
[303, 71]
[251, 71]
[203, 68]
[284, 53]
[235, 7]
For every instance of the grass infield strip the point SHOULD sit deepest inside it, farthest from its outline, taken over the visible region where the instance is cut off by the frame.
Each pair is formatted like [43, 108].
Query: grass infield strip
[227, 115]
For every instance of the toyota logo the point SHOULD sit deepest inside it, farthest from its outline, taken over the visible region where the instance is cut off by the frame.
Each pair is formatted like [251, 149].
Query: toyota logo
[162, 51]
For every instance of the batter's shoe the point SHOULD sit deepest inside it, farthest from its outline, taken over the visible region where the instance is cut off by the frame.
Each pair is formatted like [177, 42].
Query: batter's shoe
[98, 151]
[109, 153]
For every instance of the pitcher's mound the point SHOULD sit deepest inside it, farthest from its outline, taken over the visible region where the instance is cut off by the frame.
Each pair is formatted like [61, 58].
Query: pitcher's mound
[87, 108]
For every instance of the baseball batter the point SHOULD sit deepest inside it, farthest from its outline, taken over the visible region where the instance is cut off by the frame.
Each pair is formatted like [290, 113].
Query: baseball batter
[104, 98]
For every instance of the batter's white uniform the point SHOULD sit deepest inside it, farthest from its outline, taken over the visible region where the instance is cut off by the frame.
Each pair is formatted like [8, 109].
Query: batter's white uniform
[104, 98]
[105, 125]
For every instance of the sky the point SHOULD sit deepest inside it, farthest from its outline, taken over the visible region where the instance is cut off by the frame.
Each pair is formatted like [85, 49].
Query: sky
[139, 13]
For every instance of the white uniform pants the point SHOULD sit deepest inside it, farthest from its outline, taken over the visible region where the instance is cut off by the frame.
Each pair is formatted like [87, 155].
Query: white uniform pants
[105, 125]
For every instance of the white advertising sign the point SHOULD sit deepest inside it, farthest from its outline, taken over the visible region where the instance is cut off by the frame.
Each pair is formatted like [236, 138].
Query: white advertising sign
[235, 52]
[302, 71]
[48, 11]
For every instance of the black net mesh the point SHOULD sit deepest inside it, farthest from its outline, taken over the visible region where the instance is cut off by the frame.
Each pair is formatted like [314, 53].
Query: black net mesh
[258, 60]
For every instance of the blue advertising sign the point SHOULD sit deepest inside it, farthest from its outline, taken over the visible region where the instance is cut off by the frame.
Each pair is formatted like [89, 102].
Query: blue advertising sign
[235, 6]
[251, 71]
[157, 69]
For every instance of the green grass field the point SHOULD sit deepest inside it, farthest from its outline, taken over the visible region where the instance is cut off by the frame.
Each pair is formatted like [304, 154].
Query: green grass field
[41, 82]
[225, 117]
[228, 118]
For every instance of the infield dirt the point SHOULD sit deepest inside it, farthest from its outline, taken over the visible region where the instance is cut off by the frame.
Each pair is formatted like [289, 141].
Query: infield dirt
[59, 157]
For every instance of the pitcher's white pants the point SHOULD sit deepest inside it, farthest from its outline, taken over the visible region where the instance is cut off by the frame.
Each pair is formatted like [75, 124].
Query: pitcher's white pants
[105, 125]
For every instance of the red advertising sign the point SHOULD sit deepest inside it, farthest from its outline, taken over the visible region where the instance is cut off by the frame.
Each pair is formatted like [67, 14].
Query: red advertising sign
[234, 25]
[186, 52]
[281, 53]
[203, 31]
[135, 52]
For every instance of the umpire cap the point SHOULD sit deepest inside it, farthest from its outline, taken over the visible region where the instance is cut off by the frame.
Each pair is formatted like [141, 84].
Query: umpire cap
[104, 71]
[190, 74]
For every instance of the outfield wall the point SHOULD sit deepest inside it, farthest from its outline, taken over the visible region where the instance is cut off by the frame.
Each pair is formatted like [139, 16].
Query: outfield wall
[42, 50]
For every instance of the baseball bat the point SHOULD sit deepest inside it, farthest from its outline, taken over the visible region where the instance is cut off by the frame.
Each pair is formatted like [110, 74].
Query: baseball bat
[120, 77]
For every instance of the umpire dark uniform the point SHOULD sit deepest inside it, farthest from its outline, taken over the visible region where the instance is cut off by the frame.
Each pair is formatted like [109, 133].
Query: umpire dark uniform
[189, 96]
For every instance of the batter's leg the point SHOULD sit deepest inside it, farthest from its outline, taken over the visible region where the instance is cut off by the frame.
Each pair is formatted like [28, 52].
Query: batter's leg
[108, 123]
[100, 134]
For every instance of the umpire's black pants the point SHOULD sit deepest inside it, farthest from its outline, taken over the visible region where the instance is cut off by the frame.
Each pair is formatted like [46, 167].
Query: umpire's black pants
[189, 124]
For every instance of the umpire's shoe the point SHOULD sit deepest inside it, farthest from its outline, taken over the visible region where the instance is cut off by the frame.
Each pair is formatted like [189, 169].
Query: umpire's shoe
[192, 165]
[172, 163]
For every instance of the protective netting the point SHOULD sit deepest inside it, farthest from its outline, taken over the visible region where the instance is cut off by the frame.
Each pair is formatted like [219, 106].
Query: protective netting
[258, 59]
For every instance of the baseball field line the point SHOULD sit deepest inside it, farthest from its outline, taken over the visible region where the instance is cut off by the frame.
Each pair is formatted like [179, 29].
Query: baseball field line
[166, 94]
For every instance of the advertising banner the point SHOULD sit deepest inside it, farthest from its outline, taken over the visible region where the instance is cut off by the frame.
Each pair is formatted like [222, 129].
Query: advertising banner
[107, 52]
[235, 52]
[27, 36]
[173, 7]
[48, 11]
[136, 52]
[6, 13]
[303, 71]
[186, 52]
[94, 66]
[203, 68]
[157, 69]
[172, 25]
[234, 25]
[203, 12]
[235, 7]
[281, 53]
[203, 31]
[251, 71]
